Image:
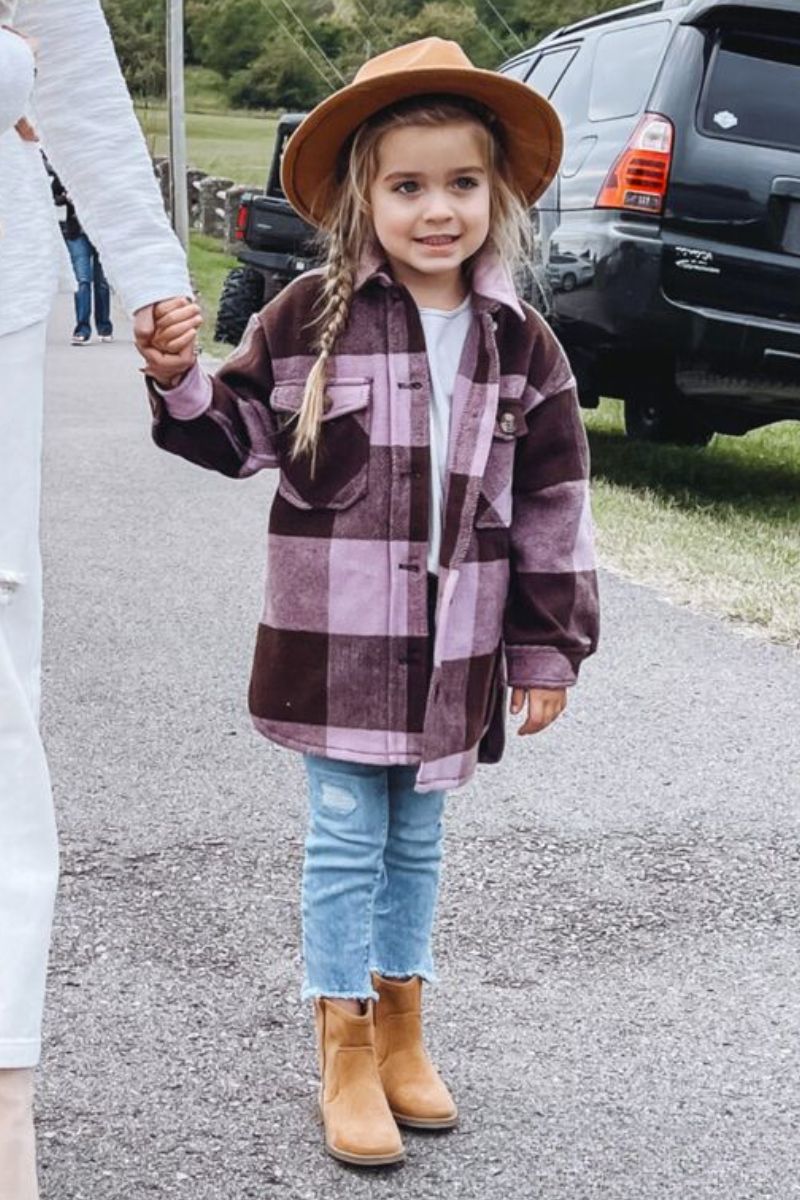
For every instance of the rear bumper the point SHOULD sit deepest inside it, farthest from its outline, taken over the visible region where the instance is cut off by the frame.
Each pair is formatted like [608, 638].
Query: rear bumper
[286, 266]
[623, 319]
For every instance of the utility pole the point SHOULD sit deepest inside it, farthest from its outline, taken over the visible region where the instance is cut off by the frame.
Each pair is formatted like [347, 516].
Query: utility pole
[177, 124]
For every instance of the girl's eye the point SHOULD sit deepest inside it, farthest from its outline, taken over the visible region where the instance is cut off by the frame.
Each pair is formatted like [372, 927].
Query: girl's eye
[465, 182]
[407, 187]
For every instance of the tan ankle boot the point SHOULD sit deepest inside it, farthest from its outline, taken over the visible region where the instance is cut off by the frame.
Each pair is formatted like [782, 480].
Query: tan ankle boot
[17, 1143]
[415, 1091]
[359, 1128]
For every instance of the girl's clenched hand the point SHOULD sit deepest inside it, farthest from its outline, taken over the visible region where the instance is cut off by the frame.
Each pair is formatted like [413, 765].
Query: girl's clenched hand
[176, 322]
[544, 706]
[166, 337]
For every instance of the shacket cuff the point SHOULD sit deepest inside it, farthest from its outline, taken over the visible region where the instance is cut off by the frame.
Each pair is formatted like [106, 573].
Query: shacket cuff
[190, 398]
[541, 667]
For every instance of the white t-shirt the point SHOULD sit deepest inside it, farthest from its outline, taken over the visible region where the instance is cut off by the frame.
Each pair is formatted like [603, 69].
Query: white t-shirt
[445, 334]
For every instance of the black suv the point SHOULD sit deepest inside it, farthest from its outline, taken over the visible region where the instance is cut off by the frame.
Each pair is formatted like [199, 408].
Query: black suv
[670, 239]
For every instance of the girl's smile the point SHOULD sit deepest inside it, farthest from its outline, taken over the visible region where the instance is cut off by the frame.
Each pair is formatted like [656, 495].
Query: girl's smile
[430, 202]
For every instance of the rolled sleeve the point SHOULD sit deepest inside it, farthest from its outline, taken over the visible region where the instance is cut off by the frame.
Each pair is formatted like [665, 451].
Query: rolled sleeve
[190, 399]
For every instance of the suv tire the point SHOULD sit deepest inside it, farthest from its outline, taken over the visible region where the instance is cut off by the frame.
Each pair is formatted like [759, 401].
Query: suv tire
[660, 415]
[242, 295]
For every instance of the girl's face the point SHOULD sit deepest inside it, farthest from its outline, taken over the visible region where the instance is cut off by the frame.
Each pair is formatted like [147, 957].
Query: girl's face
[430, 201]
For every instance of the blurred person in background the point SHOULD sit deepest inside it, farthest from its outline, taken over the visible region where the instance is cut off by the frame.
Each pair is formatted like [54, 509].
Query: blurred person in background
[89, 274]
[59, 79]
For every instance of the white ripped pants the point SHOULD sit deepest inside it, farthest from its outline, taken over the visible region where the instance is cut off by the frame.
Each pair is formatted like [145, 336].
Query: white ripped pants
[28, 846]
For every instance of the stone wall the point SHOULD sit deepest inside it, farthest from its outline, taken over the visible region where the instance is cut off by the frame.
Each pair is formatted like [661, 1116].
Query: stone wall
[213, 200]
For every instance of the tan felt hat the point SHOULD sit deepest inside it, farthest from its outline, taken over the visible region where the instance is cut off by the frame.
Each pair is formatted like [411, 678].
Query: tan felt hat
[432, 66]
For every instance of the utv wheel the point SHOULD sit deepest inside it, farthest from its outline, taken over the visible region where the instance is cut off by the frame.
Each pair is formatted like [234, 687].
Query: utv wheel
[242, 295]
[665, 416]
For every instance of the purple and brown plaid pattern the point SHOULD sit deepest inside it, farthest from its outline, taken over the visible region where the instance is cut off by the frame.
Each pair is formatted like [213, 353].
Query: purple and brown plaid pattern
[341, 663]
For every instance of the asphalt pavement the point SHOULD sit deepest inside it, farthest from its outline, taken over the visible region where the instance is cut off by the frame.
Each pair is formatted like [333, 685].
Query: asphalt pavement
[618, 1011]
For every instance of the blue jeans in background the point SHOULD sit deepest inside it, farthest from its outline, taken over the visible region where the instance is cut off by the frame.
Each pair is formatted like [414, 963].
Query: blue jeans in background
[89, 274]
[370, 878]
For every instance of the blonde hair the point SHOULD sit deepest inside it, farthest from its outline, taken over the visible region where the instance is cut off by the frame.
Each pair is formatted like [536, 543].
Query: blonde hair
[349, 231]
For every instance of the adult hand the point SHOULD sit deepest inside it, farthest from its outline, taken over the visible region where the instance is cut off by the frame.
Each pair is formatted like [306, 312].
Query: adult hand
[144, 326]
[26, 130]
[32, 42]
[544, 706]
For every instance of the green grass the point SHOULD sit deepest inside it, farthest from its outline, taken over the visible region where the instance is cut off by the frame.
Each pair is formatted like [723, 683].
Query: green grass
[209, 264]
[718, 529]
[233, 145]
[204, 90]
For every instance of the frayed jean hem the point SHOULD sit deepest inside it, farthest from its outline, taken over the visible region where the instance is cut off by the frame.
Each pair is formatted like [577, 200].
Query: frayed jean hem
[315, 993]
[425, 975]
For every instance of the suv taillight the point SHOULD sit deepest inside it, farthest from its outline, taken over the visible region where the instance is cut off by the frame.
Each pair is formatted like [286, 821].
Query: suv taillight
[638, 178]
[241, 221]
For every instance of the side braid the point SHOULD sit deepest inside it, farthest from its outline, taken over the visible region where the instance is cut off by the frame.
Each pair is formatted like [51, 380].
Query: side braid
[337, 297]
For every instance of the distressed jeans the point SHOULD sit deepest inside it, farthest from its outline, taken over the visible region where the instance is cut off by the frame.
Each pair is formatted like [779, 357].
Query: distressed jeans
[89, 275]
[370, 878]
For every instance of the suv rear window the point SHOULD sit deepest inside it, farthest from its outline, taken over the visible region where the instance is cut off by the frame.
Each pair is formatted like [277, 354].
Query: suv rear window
[546, 74]
[519, 69]
[625, 66]
[752, 91]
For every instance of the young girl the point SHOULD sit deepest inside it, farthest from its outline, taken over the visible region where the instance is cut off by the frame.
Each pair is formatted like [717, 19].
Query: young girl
[430, 537]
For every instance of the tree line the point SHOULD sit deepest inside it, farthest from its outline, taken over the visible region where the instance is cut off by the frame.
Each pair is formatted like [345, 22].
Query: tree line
[291, 53]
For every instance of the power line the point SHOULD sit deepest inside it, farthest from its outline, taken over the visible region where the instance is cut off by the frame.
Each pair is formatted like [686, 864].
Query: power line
[298, 44]
[485, 28]
[371, 18]
[311, 37]
[520, 43]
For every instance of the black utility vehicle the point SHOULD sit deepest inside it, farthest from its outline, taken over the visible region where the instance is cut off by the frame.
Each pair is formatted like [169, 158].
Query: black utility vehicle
[275, 246]
[670, 239]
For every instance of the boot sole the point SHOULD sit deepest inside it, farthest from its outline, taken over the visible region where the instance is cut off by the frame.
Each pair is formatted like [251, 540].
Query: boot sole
[425, 1122]
[365, 1160]
[359, 1160]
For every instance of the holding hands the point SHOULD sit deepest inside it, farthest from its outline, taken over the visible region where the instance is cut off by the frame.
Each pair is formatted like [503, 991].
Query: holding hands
[166, 337]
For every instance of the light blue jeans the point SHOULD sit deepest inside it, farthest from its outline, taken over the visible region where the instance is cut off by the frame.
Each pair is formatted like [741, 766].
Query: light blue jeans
[370, 877]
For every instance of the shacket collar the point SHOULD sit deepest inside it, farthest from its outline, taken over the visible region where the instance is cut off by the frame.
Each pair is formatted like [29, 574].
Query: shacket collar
[492, 284]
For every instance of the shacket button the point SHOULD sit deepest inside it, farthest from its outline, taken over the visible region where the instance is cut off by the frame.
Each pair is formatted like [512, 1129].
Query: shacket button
[508, 422]
[416, 385]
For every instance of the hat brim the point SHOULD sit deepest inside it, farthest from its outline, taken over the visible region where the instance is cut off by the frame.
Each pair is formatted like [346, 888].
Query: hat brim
[533, 134]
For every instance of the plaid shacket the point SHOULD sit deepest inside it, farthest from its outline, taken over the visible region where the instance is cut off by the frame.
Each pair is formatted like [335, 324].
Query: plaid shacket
[341, 664]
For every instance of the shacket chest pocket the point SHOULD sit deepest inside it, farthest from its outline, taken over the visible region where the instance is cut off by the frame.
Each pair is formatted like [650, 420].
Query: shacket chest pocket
[341, 473]
[494, 502]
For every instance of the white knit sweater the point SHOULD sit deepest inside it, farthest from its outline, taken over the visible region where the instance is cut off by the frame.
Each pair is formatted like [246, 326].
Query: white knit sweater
[81, 109]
